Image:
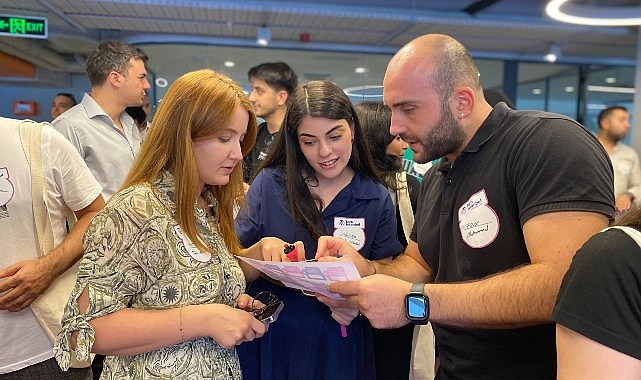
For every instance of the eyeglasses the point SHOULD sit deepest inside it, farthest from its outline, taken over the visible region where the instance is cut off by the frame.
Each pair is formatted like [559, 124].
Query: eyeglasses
[266, 307]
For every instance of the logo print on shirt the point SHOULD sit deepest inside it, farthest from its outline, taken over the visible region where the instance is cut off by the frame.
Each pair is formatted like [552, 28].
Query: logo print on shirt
[192, 250]
[478, 222]
[350, 229]
[6, 187]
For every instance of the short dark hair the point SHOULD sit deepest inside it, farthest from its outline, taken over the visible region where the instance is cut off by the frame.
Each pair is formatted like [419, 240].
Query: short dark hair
[68, 95]
[111, 56]
[608, 111]
[278, 75]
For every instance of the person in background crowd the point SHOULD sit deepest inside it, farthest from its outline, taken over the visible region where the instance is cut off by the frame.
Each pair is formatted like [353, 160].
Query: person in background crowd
[598, 310]
[159, 291]
[317, 180]
[413, 168]
[272, 83]
[37, 265]
[393, 347]
[140, 114]
[104, 134]
[146, 106]
[100, 129]
[62, 102]
[614, 123]
[387, 152]
[499, 218]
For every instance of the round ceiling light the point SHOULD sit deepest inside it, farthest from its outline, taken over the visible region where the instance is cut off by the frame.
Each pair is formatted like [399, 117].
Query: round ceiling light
[597, 15]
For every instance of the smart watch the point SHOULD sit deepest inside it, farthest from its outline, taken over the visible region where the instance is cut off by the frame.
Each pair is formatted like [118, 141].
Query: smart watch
[417, 305]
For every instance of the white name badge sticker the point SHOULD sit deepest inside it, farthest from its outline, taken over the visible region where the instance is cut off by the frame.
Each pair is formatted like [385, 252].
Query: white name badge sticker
[192, 250]
[478, 222]
[350, 229]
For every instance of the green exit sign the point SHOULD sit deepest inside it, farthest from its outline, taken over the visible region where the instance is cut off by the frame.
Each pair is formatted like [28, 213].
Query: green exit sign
[21, 26]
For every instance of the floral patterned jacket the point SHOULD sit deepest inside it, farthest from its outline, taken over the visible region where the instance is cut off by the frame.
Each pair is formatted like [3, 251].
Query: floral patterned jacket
[136, 256]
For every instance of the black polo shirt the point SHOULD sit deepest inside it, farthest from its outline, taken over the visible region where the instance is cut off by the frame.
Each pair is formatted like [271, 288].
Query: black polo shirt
[469, 221]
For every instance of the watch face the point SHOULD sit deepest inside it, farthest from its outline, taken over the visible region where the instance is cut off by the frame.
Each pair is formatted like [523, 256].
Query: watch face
[416, 306]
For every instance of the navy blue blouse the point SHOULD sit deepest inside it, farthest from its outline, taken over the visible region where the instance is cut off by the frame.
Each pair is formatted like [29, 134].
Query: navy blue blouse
[305, 342]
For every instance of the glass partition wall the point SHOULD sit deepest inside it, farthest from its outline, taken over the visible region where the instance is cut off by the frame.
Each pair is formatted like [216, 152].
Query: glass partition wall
[578, 91]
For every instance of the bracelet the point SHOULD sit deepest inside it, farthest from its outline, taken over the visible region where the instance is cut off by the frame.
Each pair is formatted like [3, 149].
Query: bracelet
[182, 332]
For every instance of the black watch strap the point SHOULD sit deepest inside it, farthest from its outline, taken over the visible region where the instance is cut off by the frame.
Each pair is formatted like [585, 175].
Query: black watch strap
[417, 304]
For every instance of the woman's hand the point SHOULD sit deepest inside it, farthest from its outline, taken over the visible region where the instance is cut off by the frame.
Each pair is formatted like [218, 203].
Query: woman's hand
[268, 249]
[232, 326]
[245, 302]
[332, 248]
[343, 312]
[273, 249]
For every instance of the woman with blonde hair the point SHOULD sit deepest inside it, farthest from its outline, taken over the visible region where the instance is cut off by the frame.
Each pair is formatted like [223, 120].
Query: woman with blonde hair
[159, 291]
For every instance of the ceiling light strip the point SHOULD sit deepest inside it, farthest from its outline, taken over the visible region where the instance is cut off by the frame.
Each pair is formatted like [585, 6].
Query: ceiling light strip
[617, 90]
[579, 14]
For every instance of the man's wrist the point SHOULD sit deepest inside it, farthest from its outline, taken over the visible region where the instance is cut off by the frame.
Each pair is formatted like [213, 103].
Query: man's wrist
[371, 267]
[51, 263]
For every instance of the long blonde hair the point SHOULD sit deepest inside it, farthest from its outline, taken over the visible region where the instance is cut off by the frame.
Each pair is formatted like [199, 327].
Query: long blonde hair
[196, 105]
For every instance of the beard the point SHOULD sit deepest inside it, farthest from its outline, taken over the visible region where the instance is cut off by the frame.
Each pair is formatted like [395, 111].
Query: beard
[616, 137]
[447, 137]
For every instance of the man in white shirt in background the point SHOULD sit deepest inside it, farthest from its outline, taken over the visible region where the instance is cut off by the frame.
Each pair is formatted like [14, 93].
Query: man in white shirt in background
[104, 134]
[614, 123]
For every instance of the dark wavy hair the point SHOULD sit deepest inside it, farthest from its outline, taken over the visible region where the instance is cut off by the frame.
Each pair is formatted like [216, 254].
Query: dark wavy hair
[375, 118]
[316, 99]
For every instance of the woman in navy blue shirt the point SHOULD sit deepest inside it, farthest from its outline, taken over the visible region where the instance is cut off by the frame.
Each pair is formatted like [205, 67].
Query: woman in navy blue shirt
[318, 179]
